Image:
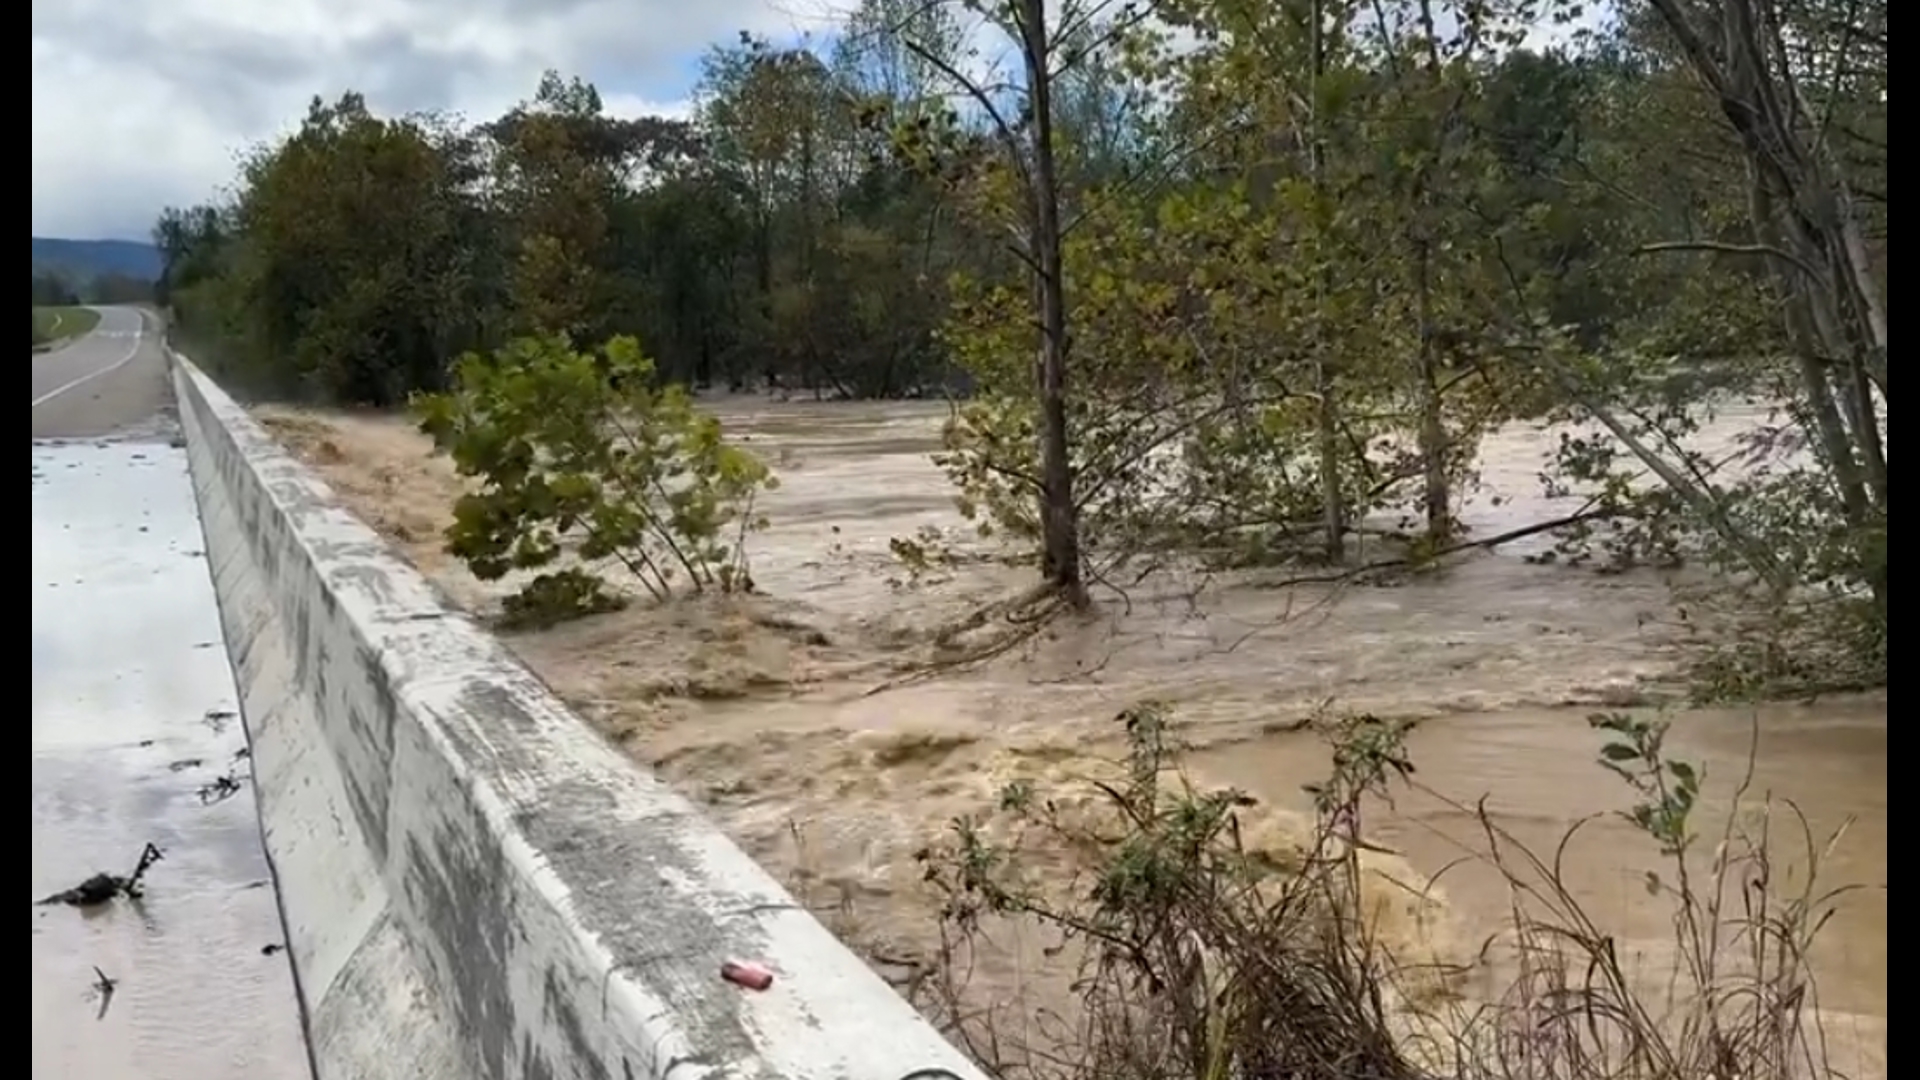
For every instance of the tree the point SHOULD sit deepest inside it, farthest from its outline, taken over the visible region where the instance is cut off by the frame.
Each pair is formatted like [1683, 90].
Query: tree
[579, 455]
[353, 253]
[1236, 300]
[53, 290]
[828, 274]
[1237, 285]
[1794, 312]
[118, 289]
[1806, 217]
[561, 172]
[1026, 136]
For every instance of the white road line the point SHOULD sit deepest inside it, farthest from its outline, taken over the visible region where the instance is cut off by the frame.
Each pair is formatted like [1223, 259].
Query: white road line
[139, 335]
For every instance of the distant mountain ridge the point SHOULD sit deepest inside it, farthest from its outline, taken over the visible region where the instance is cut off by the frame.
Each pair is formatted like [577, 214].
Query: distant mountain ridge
[84, 260]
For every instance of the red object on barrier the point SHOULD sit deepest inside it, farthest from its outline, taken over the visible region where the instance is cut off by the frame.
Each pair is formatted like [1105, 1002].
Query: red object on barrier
[746, 973]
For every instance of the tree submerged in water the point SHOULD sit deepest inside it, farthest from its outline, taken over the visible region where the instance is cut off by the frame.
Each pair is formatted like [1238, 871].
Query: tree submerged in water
[583, 455]
[1249, 296]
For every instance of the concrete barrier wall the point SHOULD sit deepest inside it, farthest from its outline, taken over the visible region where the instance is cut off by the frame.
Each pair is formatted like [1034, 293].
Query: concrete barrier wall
[476, 886]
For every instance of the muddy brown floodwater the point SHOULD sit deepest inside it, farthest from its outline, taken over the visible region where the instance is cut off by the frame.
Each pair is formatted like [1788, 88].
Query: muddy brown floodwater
[763, 710]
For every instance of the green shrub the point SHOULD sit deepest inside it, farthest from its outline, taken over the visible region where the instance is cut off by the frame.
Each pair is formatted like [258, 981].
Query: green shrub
[584, 454]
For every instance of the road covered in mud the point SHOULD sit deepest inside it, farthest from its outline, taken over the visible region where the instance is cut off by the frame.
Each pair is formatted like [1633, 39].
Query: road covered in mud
[157, 940]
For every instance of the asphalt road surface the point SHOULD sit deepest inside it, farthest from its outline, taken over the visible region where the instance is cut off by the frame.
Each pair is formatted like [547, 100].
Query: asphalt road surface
[111, 381]
[136, 741]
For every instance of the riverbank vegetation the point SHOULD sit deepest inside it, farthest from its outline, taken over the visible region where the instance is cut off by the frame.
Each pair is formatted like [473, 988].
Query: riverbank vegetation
[1229, 284]
[1228, 280]
[1205, 951]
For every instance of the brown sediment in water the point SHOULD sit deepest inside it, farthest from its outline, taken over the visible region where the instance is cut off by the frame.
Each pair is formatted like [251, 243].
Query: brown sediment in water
[760, 707]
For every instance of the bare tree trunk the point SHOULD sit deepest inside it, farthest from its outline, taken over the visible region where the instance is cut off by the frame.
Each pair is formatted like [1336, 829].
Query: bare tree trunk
[1438, 494]
[1803, 205]
[1835, 446]
[1060, 525]
[1789, 152]
[1333, 504]
[1703, 498]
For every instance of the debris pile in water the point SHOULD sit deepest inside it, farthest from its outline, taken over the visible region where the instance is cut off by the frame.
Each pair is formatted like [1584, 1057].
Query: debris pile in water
[100, 888]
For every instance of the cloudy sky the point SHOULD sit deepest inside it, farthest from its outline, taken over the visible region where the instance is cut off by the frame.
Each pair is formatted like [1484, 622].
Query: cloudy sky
[140, 104]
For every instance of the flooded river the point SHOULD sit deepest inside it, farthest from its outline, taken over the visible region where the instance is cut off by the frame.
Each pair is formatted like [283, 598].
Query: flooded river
[768, 714]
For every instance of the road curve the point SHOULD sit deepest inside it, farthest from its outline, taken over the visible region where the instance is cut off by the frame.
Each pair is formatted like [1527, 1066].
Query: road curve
[105, 382]
[135, 742]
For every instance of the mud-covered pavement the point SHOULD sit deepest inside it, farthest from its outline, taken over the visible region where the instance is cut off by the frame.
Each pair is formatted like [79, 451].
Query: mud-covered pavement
[135, 743]
[766, 710]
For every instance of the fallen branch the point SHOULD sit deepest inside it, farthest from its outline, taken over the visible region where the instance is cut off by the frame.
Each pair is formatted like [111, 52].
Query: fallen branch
[103, 987]
[1401, 562]
[1026, 615]
[101, 888]
[1766, 250]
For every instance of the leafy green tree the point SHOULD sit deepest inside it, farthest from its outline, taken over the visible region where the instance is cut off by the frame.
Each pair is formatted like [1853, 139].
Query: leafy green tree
[352, 253]
[1021, 190]
[1238, 299]
[581, 455]
[118, 289]
[561, 172]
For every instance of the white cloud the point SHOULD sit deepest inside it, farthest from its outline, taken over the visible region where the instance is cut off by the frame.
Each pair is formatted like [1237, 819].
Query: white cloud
[146, 103]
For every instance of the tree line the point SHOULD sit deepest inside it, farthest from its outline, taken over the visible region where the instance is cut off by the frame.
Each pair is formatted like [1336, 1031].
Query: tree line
[55, 289]
[1224, 278]
[52, 289]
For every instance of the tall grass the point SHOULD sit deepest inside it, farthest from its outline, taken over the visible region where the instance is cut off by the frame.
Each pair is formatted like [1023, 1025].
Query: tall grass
[1194, 954]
